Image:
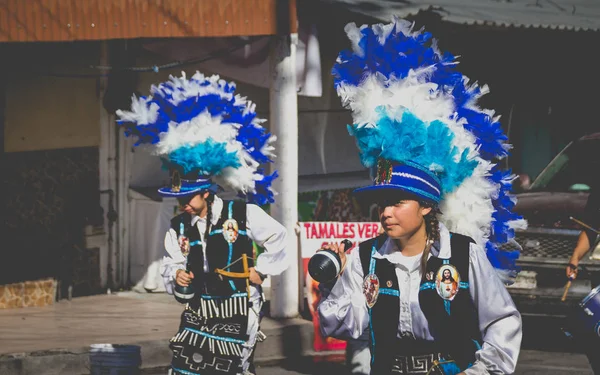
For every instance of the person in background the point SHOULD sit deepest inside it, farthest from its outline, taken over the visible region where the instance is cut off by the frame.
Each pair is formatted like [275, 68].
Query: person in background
[587, 341]
[209, 138]
[432, 153]
[587, 238]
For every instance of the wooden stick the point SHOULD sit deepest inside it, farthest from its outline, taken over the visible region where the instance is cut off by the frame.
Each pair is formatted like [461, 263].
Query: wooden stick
[584, 225]
[245, 264]
[567, 286]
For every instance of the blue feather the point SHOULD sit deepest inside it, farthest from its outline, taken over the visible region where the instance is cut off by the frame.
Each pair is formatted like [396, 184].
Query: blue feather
[411, 139]
[208, 158]
[254, 138]
[398, 55]
[216, 105]
[502, 259]
[263, 194]
[393, 57]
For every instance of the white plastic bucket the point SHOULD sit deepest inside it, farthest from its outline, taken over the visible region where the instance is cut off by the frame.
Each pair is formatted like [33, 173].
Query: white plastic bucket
[109, 359]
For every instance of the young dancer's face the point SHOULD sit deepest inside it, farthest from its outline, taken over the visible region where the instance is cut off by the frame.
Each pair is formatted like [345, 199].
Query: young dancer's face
[197, 205]
[402, 218]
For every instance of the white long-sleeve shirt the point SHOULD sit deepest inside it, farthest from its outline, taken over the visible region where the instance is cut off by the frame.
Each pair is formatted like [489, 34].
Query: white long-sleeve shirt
[344, 312]
[260, 228]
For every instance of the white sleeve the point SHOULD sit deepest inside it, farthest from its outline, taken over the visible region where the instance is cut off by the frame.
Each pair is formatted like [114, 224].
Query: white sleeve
[172, 261]
[499, 319]
[270, 235]
[344, 314]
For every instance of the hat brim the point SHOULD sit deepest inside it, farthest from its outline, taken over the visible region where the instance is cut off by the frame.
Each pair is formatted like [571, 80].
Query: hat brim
[168, 192]
[378, 192]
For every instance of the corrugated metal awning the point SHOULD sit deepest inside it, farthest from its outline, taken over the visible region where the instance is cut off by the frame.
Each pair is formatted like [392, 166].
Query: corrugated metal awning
[552, 14]
[69, 20]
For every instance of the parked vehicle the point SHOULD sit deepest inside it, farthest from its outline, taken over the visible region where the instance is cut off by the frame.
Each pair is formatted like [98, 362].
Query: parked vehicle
[558, 194]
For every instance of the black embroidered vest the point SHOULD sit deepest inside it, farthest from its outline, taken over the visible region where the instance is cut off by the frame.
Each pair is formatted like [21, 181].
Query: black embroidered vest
[213, 330]
[385, 314]
[220, 253]
[452, 323]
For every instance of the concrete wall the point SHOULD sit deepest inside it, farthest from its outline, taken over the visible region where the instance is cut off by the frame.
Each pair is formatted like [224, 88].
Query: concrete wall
[45, 112]
[50, 162]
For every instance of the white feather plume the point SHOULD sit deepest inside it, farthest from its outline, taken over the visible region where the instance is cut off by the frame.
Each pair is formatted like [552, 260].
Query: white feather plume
[141, 113]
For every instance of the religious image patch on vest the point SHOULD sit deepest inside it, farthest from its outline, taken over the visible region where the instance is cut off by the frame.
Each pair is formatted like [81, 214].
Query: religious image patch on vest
[371, 289]
[230, 230]
[447, 281]
[184, 245]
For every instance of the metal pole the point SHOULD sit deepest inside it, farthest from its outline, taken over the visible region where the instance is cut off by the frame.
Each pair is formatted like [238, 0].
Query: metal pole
[283, 102]
[108, 177]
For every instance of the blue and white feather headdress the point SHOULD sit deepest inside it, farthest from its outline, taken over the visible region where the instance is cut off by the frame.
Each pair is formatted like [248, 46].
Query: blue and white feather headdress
[208, 134]
[412, 108]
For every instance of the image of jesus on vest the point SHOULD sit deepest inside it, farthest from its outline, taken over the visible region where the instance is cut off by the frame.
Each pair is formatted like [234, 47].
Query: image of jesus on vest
[447, 283]
[184, 245]
[231, 231]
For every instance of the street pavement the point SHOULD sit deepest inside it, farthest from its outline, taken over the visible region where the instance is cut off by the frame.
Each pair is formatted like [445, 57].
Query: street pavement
[532, 362]
[37, 334]
[545, 351]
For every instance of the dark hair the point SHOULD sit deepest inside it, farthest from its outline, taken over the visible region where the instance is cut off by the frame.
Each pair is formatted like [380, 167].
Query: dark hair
[185, 199]
[432, 227]
[209, 201]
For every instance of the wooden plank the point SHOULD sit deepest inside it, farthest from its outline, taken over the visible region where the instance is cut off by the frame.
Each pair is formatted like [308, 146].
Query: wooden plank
[69, 20]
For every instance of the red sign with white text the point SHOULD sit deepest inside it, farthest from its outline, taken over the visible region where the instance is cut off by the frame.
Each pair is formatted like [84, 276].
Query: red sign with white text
[312, 238]
[316, 234]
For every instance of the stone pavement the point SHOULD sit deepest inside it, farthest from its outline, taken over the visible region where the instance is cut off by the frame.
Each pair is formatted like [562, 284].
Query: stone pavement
[55, 339]
[87, 320]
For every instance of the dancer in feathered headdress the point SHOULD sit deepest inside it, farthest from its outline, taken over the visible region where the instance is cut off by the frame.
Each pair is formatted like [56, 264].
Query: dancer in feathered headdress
[207, 136]
[443, 203]
[204, 131]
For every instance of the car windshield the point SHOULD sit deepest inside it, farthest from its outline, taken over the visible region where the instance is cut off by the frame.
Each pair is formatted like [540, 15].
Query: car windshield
[576, 168]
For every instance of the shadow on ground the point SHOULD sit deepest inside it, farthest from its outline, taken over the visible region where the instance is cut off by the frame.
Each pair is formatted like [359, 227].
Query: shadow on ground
[306, 365]
[547, 334]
